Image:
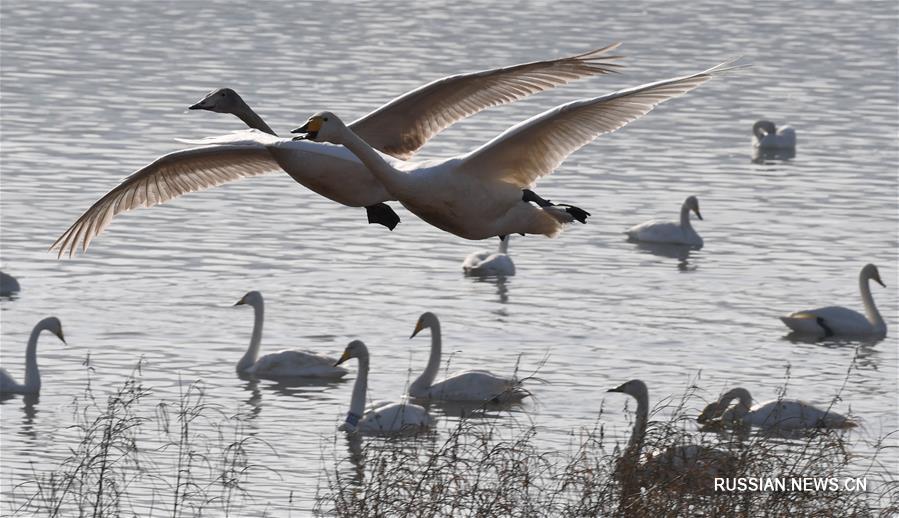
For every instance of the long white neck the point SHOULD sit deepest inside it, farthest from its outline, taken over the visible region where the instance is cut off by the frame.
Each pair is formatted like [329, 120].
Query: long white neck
[685, 218]
[249, 358]
[357, 403]
[384, 172]
[32, 374]
[864, 286]
[251, 118]
[635, 444]
[504, 245]
[423, 383]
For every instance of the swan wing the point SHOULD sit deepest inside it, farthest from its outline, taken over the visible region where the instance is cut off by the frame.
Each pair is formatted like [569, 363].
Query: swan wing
[396, 418]
[165, 178]
[292, 363]
[791, 414]
[537, 146]
[402, 126]
[7, 383]
[476, 385]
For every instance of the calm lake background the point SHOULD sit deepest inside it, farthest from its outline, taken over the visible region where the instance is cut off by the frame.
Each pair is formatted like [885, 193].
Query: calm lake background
[92, 91]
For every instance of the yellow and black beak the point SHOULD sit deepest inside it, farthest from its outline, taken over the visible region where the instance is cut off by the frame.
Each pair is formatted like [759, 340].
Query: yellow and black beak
[309, 130]
[619, 388]
[344, 357]
[418, 327]
[240, 302]
[61, 336]
[696, 210]
[878, 281]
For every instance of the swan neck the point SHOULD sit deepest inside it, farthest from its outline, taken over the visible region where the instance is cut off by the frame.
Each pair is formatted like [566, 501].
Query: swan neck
[742, 395]
[32, 374]
[685, 217]
[252, 119]
[375, 163]
[871, 311]
[249, 358]
[357, 403]
[426, 379]
[635, 444]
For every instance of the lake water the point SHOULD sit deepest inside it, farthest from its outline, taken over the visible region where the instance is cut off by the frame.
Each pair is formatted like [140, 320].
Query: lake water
[94, 90]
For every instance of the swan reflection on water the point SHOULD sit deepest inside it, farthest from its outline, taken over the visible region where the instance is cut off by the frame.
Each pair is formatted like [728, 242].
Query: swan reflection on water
[501, 283]
[764, 156]
[669, 251]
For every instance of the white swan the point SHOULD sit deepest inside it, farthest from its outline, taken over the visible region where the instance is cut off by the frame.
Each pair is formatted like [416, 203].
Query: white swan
[398, 128]
[766, 136]
[381, 418]
[8, 285]
[778, 414]
[671, 232]
[674, 462]
[282, 364]
[32, 383]
[470, 385]
[840, 321]
[490, 264]
[485, 193]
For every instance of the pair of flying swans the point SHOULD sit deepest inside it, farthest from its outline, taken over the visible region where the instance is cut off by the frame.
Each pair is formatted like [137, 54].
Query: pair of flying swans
[398, 129]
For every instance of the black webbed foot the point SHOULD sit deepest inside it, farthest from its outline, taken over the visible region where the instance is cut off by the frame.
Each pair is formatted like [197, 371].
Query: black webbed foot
[502, 238]
[576, 212]
[529, 195]
[382, 214]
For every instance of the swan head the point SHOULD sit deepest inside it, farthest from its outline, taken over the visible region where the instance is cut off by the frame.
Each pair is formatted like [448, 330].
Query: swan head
[633, 388]
[53, 325]
[222, 100]
[321, 127]
[355, 349]
[692, 203]
[252, 298]
[762, 128]
[710, 412]
[425, 321]
[870, 272]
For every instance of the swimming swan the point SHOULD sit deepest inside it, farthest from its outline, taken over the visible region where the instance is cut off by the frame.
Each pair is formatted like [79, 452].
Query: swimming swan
[673, 463]
[398, 128]
[766, 136]
[779, 414]
[490, 264]
[282, 364]
[382, 418]
[470, 385]
[840, 321]
[8, 285]
[486, 192]
[32, 383]
[657, 231]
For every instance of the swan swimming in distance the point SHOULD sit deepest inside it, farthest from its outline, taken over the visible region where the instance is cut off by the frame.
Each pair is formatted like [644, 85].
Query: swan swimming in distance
[766, 136]
[470, 385]
[282, 364]
[382, 418]
[839, 321]
[398, 128]
[32, 383]
[777, 415]
[670, 232]
[486, 192]
[691, 463]
[490, 264]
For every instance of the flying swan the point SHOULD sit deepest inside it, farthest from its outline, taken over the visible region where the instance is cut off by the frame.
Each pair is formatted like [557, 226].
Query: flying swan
[282, 364]
[32, 383]
[840, 321]
[486, 192]
[398, 128]
[470, 385]
[488, 263]
[777, 415]
[382, 418]
[670, 232]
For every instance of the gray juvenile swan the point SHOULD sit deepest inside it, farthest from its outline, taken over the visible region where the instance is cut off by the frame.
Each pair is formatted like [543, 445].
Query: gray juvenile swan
[398, 128]
[282, 364]
[32, 383]
[840, 321]
[383, 418]
[470, 385]
[776, 415]
[486, 192]
[692, 463]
